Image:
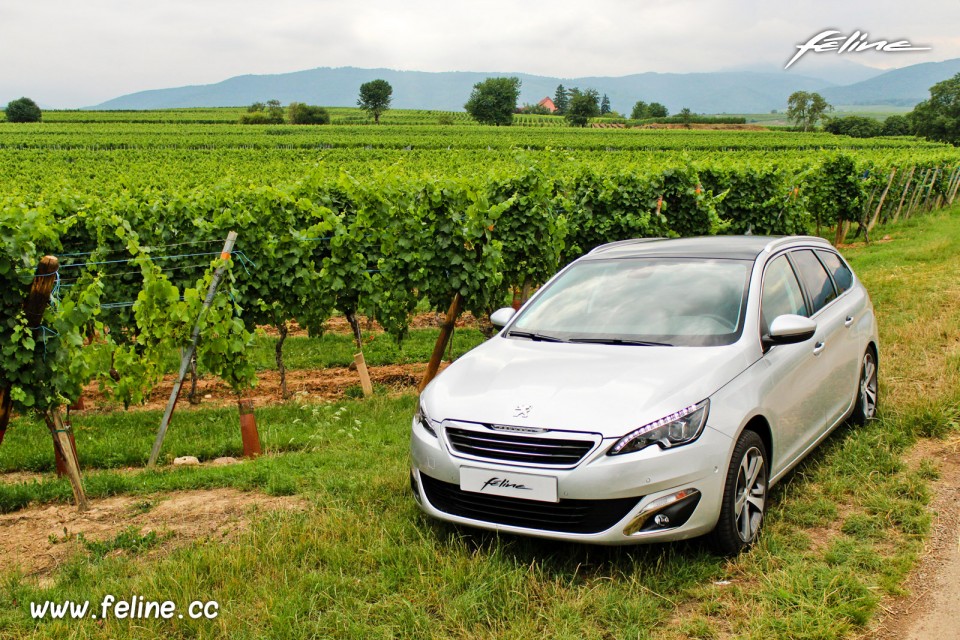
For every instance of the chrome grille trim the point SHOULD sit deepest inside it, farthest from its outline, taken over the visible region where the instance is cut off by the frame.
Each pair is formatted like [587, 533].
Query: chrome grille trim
[555, 449]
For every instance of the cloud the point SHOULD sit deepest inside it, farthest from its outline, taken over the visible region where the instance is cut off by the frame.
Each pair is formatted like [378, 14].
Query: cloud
[74, 54]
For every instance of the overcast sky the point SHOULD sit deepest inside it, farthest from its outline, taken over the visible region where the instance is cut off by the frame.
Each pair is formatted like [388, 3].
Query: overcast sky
[68, 53]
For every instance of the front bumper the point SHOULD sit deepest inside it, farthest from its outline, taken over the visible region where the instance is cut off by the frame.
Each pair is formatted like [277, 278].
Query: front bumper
[622, 490]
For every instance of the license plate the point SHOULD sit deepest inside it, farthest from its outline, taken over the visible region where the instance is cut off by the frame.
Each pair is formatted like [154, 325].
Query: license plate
[525, 486]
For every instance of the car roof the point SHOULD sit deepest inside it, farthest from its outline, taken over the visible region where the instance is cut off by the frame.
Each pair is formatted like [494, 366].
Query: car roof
[729, 247]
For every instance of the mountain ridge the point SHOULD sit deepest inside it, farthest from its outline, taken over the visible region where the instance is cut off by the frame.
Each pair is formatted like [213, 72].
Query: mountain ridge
[735, 91]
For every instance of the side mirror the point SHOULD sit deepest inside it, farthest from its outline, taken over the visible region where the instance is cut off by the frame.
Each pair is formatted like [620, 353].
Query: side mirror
[789, 329]
[501, 317]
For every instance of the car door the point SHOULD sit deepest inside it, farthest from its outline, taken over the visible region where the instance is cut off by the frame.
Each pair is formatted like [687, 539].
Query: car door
[831, 348]
[790, 370]
[852, 305]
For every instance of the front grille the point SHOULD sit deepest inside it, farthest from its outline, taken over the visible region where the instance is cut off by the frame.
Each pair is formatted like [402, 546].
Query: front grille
[512, 448]
[567, 516]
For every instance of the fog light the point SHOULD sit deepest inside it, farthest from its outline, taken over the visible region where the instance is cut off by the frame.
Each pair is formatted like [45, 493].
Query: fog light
[667, 512]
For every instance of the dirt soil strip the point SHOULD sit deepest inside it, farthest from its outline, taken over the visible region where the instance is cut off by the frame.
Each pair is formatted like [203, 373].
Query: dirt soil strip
[932, 608]
[40, 539]
[339, 324]
[306, 384]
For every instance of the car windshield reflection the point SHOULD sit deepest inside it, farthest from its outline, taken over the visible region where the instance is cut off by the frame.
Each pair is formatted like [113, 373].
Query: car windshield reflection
[641, 302]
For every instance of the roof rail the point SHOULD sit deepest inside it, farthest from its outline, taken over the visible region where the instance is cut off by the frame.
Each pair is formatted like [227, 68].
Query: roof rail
[778, 242]
[621, 243]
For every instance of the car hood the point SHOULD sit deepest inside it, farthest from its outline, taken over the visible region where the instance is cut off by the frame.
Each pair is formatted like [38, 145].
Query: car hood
[607, 389]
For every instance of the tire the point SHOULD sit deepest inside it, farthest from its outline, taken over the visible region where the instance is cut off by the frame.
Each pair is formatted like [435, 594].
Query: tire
[744, 496]
[865, 408]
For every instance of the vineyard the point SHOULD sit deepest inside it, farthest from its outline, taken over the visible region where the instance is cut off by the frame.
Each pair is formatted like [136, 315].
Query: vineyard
[372, 221]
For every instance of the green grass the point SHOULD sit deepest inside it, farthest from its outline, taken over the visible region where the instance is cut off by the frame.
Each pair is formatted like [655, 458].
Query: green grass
[337, 349]
[843, 528]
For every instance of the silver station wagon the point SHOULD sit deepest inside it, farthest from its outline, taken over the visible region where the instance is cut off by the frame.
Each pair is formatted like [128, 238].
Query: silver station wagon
[653, 390]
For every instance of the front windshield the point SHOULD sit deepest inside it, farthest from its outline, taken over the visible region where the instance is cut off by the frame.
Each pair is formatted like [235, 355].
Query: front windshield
[673, 301]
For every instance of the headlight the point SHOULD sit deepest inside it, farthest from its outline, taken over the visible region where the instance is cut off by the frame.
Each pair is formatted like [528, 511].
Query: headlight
[675, 429]
[423, 419]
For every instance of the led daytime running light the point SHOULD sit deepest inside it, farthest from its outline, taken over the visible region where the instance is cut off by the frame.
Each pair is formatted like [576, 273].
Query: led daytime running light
[627, 439]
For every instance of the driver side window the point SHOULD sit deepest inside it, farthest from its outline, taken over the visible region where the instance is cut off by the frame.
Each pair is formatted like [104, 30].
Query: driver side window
[781, 293]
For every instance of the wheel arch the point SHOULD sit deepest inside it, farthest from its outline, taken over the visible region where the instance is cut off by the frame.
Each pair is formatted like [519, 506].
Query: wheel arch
[761, 426]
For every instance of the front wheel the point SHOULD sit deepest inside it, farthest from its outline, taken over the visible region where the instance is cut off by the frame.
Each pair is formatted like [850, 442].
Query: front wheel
[868, 390]
[744, 496]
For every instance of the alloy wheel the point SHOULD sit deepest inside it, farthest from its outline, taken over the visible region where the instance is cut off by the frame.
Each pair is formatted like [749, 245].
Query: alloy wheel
[868, 386]
[751, 494]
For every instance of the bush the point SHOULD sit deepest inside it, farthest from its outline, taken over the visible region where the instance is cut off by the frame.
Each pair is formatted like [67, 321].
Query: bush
[259, 117]
[23, 110]
[896, 126]
[260, 113]
[299, 113]
[854, 126]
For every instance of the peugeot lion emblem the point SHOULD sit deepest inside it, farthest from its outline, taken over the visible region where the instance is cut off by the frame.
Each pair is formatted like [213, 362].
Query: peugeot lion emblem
[522, 410]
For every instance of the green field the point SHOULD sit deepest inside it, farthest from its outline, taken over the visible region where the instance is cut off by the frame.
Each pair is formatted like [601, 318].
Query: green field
[391, 220]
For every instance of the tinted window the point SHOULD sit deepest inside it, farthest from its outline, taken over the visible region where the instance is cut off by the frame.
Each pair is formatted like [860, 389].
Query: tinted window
[842, 277]
[781, 293]
[814, 278]
[690, 302]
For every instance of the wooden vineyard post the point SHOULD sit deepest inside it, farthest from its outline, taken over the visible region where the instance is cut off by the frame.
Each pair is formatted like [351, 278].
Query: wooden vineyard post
[876, 214]
[64, 442]
[933, 181]
[903, 196]
[361, 363]
[917, 194]
[248, 430]
[190, 350]
[956, 185]
[58, 451]
[34, 308]
[445, 331]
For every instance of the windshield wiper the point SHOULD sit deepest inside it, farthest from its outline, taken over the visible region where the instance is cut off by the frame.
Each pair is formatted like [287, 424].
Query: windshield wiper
[638, 343]
[539, 337]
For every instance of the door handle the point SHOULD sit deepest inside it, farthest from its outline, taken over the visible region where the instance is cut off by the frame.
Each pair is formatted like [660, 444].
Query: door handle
[818, 348]
[848, 321]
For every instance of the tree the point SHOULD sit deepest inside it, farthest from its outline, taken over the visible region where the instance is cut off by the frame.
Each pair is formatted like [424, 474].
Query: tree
[657, 110]
[299, 113]
[583, 106]
[375, 98]
[939, 117]
[23, 110]
[494, 100]
[604, 105]
[854, 126]
[561, 100]
[640, 110]
[896, 126]
[806, 109]
[685, 115]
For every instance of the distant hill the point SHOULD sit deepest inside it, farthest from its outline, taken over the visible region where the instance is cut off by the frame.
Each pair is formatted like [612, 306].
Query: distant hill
[899, 87]
[730, 92]
[717, 92]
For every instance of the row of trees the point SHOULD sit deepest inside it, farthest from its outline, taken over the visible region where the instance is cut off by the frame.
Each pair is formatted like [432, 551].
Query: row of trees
[375, 97]
[937, 118]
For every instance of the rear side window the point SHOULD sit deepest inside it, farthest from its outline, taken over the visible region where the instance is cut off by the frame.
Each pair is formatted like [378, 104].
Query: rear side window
[814, 278]
[842, 276]
[781, 293]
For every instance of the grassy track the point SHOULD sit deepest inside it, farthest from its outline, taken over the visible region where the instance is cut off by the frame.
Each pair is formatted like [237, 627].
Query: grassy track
[843, 529]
